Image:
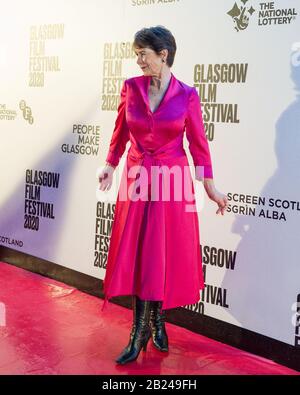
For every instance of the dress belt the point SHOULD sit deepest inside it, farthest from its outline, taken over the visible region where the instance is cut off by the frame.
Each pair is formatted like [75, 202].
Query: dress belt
[146, 158]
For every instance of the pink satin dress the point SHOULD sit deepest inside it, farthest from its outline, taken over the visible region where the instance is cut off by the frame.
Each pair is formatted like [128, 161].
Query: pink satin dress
[154, 249]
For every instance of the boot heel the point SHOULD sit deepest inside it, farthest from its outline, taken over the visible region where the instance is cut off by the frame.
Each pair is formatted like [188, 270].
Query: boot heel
[146, 343]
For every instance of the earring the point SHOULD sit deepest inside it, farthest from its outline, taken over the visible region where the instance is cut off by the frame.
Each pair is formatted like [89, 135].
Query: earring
[163, 60]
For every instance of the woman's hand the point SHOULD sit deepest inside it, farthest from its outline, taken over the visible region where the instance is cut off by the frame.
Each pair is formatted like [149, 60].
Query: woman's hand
[106, 177]
[215, 195]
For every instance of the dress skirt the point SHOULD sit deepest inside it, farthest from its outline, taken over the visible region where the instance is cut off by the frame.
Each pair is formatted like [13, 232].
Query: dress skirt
[154, 249]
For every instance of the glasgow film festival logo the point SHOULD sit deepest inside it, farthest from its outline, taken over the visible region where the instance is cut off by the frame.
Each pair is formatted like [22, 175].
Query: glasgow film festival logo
[41, 63]
[296, 320]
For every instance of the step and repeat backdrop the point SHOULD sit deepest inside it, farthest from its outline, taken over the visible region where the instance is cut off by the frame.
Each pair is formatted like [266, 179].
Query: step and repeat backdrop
[62, 65]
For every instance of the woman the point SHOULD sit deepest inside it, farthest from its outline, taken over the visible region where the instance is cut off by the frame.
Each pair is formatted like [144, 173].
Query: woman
[154, 252]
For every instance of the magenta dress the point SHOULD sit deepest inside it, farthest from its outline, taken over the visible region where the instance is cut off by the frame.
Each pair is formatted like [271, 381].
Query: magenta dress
[154, 249]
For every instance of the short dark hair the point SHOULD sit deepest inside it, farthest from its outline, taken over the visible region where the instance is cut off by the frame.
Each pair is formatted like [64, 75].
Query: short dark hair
[156, 38]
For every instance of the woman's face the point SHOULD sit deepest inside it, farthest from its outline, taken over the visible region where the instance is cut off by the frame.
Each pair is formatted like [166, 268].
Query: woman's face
[149, 61]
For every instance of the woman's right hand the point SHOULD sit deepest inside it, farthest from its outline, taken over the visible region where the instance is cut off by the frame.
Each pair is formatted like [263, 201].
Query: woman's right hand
[106, 177]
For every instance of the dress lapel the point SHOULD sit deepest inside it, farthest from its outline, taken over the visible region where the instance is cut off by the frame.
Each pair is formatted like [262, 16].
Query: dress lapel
[143, 84]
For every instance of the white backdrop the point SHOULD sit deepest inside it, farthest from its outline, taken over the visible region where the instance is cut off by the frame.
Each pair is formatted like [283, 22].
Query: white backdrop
[56, 75]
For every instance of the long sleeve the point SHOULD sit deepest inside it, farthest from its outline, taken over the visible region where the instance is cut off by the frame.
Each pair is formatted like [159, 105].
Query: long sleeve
[195, 133]
[120, 135]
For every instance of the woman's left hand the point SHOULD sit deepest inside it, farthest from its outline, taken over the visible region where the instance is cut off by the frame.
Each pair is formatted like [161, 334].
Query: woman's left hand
[216, 196]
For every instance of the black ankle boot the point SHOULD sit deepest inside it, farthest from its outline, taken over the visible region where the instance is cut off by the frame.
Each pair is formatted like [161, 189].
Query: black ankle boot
[157, 325]
[133, 328]
[140, 331]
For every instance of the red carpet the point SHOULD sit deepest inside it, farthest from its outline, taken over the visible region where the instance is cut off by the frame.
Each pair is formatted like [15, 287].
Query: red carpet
[52, 328]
